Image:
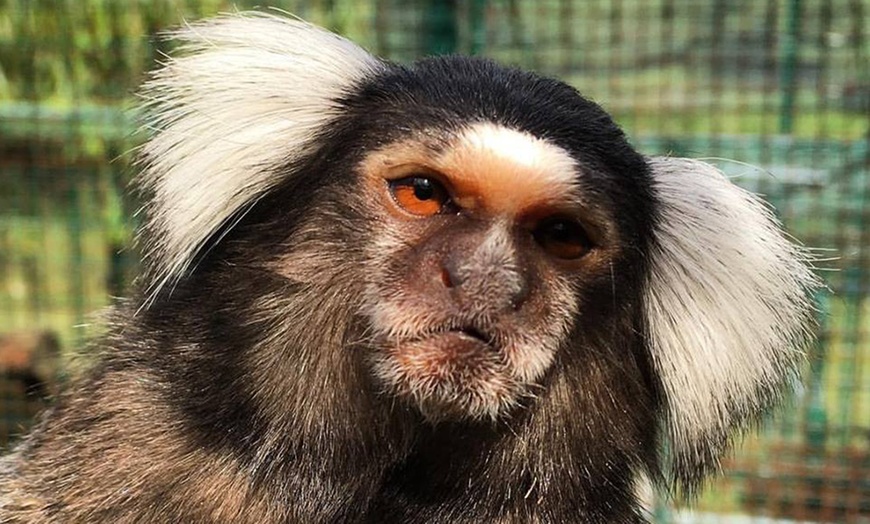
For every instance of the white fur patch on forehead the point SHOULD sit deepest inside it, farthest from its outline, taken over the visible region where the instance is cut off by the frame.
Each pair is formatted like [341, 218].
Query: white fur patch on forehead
[245, 95]
[728, 307]
[521, 149]
[507, 167]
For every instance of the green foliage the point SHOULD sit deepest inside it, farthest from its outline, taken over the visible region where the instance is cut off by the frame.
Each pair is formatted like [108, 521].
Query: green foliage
[69, 52]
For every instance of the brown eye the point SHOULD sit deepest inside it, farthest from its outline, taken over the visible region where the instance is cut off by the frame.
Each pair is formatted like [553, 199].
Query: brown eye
[420, 195]
[562, 238]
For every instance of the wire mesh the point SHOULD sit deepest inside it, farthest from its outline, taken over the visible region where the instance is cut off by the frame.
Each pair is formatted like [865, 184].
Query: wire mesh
[777, 92]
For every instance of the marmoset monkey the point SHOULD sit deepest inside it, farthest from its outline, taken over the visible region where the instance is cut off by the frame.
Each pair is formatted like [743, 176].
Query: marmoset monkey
[446, 292]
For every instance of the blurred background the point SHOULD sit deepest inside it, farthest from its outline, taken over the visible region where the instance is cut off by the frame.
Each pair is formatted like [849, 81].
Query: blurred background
[776, 92]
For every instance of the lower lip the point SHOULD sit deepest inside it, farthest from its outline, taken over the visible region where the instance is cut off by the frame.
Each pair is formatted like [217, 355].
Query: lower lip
[458, 342]
[449, 348]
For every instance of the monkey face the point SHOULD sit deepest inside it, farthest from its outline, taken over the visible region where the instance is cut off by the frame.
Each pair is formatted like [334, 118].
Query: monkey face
[486, 238]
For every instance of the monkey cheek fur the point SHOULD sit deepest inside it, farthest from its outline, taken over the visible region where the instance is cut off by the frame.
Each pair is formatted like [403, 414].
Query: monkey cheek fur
[453, 375]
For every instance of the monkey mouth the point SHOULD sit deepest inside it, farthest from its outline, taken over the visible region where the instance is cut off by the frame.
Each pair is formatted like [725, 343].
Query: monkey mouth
[455, 372]
[475, 334]
[460, 340]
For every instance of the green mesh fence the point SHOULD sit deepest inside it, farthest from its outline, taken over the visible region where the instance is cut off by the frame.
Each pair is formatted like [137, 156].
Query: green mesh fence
[776, 91]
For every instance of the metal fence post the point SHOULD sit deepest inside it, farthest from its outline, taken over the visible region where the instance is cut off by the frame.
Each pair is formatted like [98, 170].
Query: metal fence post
[790, 49]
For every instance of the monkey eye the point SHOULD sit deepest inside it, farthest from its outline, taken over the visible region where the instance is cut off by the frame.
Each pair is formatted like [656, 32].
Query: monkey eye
[420, 195]
[562, 238]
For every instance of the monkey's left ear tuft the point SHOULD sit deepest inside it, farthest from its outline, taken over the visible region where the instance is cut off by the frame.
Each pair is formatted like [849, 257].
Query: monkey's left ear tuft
[728, 309]
[242, 98]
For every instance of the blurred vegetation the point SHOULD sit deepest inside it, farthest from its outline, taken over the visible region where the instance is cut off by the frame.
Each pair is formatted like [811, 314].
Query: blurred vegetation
[67, 52]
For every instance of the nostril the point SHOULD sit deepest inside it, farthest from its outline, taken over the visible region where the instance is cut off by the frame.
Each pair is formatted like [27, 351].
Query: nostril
[451, 275]
[445, 278]
[519, 297]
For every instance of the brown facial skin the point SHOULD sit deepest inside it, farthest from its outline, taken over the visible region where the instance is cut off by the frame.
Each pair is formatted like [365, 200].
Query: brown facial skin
[473, 295]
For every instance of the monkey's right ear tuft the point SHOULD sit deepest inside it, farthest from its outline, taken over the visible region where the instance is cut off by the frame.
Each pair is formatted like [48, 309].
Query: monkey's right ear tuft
[242, 98]
[729, 310]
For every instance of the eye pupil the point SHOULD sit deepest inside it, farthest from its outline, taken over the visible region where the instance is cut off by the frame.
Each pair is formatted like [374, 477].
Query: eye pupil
[560, 232]
[423, 189]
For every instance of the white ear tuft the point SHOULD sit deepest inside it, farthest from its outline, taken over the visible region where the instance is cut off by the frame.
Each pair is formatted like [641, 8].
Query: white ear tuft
[728, 309]
[247, 94]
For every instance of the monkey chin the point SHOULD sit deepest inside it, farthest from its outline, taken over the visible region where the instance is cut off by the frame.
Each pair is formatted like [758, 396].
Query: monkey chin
[452, 375]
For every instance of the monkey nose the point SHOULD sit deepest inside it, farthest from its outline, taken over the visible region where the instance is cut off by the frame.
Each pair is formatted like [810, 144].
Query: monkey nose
[494, 288]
